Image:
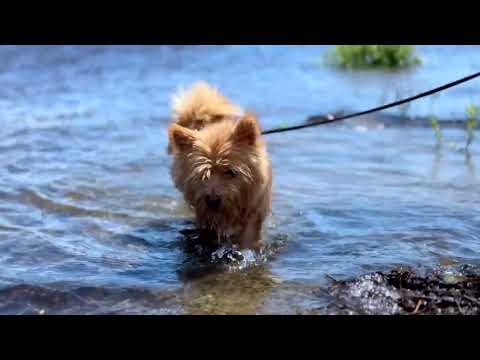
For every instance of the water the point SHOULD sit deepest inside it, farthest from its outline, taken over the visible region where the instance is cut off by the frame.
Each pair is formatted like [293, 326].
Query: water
[91, 223]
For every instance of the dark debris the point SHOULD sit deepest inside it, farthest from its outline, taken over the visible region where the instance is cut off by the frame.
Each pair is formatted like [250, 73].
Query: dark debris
[403, 291]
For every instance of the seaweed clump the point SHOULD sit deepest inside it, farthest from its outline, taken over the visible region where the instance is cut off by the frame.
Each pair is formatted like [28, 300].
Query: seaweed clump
[403, 291]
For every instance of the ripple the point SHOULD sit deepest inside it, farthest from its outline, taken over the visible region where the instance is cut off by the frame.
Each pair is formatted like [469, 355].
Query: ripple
[87, 200]
[42, 300]
[43, 203]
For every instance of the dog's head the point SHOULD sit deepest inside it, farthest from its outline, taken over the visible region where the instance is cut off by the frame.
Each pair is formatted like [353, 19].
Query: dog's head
[218, 168]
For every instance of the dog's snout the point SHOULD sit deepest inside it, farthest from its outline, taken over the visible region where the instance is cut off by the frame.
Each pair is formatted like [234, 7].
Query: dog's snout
[213, 202]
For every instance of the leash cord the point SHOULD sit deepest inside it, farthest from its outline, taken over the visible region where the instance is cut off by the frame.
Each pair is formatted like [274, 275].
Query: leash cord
[380, 108]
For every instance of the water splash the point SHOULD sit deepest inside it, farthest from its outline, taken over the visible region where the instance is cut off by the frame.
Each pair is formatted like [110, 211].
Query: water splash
[235, 259]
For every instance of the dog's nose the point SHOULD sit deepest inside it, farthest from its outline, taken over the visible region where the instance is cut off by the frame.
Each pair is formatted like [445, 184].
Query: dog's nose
[213, 202]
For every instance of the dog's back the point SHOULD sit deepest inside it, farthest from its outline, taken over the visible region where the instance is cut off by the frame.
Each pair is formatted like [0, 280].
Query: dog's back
[201, 105]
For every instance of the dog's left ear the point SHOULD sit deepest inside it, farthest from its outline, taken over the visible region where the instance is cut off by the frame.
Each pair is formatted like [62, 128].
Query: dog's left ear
[181, 138]
[247, 130]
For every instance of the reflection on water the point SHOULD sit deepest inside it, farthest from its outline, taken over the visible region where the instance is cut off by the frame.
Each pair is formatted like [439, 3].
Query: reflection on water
[90, 221]
[237, 292]
[469, 161]
[439, 156]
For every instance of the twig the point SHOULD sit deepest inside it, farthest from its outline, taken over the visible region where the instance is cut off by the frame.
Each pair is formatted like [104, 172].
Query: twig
[471, 299]
[459, 307]
[331, 278]
[417, 307]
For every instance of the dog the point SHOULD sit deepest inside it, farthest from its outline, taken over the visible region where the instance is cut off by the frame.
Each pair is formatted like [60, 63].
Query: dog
[220, 164]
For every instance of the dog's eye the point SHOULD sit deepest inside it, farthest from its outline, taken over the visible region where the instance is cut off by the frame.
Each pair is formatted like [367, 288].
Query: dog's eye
[230, 173]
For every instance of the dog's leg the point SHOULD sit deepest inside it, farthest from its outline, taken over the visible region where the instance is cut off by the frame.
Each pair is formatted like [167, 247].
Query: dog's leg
[251, 236]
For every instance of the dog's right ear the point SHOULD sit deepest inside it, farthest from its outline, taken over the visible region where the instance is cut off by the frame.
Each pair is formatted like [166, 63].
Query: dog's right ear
[247, 130]
[181, 138]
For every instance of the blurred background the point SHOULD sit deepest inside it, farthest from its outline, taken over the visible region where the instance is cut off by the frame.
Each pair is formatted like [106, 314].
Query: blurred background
[283, 83]
[88, 211]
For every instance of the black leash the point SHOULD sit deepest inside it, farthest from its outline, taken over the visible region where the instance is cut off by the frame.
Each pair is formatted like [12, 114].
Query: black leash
[396, 103]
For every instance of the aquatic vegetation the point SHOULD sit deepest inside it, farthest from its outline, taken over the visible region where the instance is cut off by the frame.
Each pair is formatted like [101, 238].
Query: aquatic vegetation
[374, 56]
[472, 112]
[436, 129]
[445, 290]
[471, 124]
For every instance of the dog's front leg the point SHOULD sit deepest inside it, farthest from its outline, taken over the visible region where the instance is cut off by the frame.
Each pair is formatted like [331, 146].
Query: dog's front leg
[251, 235]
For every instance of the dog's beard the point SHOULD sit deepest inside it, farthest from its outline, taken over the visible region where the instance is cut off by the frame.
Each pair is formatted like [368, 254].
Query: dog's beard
[224, 222]
[227, 220]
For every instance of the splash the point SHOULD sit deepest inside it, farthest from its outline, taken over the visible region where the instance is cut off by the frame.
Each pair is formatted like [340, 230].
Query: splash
[233, 258]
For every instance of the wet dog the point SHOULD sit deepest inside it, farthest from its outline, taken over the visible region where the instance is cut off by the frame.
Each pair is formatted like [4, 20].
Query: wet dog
[220, 164]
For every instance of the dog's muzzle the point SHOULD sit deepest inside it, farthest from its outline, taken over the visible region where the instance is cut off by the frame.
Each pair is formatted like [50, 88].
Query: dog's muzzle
[213, 202]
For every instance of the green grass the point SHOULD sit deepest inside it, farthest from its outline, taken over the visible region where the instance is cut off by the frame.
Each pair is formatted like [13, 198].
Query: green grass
[374, 56]
[436, 129]
[472, 113]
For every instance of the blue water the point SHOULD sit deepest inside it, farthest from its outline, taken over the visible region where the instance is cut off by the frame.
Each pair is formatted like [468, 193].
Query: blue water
[89, 212]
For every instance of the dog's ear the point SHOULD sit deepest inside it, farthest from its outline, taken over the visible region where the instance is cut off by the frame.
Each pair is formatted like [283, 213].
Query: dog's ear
[247, 130]
[181, 138]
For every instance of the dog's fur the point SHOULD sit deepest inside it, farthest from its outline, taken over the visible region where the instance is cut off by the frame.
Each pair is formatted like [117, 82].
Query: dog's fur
[219, 154]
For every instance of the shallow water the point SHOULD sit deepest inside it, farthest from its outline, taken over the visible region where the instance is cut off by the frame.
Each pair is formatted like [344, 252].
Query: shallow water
[91, 223]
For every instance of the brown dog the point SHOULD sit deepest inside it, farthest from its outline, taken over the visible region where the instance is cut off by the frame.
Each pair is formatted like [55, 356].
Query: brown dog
[220, 165]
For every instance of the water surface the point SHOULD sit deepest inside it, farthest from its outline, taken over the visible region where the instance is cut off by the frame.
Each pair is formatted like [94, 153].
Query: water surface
[90, 221]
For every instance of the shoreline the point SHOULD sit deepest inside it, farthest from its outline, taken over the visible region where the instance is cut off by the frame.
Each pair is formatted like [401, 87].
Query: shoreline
[392, 121]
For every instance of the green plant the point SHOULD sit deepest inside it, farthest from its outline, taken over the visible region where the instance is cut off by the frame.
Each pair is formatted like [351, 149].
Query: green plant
[374, 56]
[436, 129]
[472, 112]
